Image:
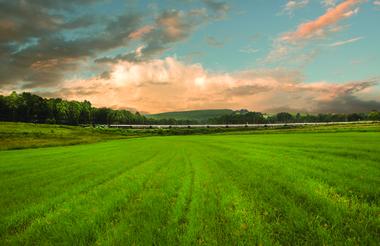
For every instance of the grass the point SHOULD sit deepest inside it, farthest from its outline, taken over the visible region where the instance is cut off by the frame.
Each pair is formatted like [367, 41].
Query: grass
[293, 187]
[25, 135]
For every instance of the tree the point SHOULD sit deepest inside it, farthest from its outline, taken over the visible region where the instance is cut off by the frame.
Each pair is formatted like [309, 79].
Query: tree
[284, 117]
[74, 112]
[85, 113]
[4, 109]
[101, 115]
[13, 103]
[62, 108]
[374, 115]
[354, 117]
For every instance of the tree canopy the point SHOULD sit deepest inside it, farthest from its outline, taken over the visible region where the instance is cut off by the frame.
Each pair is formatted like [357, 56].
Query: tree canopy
[27, 107]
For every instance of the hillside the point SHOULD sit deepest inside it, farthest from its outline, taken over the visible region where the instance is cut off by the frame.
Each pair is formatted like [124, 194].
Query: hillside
[199, 115]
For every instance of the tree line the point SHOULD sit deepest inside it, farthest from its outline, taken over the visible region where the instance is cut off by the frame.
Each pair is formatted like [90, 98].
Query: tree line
[27, 107]
[246, 117]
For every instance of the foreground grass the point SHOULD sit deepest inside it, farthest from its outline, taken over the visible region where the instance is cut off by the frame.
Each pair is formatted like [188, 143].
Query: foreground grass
[217, 190]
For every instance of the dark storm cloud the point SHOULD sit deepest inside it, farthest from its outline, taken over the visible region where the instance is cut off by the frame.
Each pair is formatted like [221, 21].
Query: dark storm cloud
[170, 26]
[357, 86]
[82, 21]
[61, 4]
[20, 20]
[314, 98]
[33, 49]
[348, 104]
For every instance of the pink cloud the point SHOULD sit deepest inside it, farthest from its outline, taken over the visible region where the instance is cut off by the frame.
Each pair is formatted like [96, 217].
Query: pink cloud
[51, 63]
[319, 26]
[139, 33]
[290, 47]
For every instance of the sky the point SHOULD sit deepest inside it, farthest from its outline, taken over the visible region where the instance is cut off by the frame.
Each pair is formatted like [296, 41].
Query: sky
[314, 56]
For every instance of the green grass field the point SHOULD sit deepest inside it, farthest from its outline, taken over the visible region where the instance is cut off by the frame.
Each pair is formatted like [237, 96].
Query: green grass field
[291, 187]
[25, 135]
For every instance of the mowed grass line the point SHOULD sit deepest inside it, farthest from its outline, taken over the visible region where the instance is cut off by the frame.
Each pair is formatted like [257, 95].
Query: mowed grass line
[80, 166]
[46, 190]
[320, 188]
[288, 200]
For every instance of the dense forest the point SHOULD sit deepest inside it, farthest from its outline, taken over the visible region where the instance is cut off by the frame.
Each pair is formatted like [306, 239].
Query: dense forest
[27, 107]
[245, 116]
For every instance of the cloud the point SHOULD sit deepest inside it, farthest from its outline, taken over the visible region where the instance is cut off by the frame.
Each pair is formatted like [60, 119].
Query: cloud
[20, 20]
[51, 56]
[348, 104]
[322, 25]
[351, 12]
[167, 84]
[139, 33]
[46, 47]
[348, 41]
[249, 50]
[292, 5]
[376, 4]
[41, 45]
[220, 8]
[169, 27]
[245, 90]
[328, 3]
[293, 44]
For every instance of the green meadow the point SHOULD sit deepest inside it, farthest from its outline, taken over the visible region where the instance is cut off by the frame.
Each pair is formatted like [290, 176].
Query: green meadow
[315, 186]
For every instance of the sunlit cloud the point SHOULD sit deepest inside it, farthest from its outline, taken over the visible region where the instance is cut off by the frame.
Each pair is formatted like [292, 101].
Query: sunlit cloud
[139, 33]
[291, 44]
[322, 25]
[168, 84]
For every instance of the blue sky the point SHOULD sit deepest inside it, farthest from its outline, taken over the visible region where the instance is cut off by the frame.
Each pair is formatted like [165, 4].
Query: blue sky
[297, 55]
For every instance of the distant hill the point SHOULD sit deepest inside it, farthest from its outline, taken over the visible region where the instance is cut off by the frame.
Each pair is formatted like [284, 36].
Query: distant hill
[199, 115]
